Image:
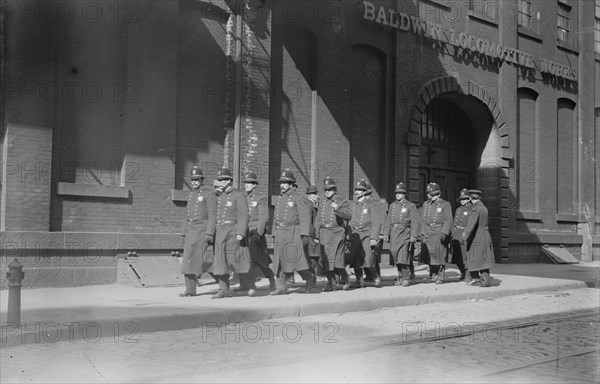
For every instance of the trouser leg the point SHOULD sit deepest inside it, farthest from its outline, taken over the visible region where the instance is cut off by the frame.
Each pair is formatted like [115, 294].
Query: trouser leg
[190, 284]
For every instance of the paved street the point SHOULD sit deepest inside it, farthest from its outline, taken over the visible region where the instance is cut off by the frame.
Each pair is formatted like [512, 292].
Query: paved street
[376, 346]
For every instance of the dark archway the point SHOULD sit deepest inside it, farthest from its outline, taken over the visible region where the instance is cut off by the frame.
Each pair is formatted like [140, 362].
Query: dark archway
[490, 154]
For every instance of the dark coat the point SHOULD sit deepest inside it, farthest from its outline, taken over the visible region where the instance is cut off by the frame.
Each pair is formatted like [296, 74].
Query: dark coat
[330, 228]
[437, 220]
[459, 248]
[198, 255]
[365, 224]
[232, 220]
[480, 253]
[258, 211]
[401, 224]
[291, 221]
[313, 247]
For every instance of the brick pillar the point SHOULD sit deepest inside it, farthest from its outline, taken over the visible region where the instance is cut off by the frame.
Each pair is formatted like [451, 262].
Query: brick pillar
[28, 103]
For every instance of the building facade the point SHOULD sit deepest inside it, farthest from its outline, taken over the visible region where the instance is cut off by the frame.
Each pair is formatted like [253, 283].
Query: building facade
[106, 108]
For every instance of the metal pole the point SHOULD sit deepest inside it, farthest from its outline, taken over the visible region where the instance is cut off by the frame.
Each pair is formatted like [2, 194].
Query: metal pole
[15, 276]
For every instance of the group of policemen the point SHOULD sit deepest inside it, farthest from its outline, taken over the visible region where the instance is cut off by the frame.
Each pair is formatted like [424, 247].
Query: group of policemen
[323, 236]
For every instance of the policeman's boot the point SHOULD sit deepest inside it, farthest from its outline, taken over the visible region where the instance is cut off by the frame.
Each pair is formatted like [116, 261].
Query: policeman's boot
[467, 276]
[377, 277]
[269, 275]
[360, 282]
[405, 276]
[224, 290]
[440, 276]
[190, 286]
[344, 280]
[369, 276]
[485, 279]
[331, 285]
[281, 285]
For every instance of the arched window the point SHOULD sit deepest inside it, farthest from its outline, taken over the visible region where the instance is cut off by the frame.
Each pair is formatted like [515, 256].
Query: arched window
[566, 157]
[527, 137]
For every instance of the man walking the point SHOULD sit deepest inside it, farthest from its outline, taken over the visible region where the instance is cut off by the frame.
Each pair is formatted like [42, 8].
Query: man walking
[480, 253]
[458, 247]
[291, 229]
[258, 211]
[231, 254]
[365, 224]
[437, 223]
[334, 213]
[401, 230]
[198, 248]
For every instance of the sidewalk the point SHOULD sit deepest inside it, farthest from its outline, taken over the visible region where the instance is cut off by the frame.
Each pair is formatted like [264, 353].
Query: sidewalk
[61, 314]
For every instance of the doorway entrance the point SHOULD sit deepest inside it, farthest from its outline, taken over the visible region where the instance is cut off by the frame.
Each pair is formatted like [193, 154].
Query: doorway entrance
[448, 149]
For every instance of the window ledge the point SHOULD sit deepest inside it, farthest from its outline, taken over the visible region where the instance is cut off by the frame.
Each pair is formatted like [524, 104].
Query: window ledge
[180, 195]
[597, 54]
[529, 216]
[567, 218]
[441, 3]
[109, 191]
[482, 18]
[526, 32]
[568, 47]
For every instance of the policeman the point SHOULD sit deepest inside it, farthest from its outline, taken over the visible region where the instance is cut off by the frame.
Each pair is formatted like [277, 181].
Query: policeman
[381, 206]
[312, 194]
[476, 236]
[458, 248]
[291, 228]
[365, 224]
[401, 230]
[334, 213]
[435, 231]
[231, 243]
[259, 216]
[198, 248]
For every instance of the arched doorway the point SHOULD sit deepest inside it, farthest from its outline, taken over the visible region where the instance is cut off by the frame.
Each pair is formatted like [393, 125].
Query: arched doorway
[447, 149]
[458, 139]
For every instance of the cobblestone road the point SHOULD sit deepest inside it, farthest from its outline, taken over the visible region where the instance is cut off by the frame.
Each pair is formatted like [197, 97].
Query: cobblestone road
[338, 347]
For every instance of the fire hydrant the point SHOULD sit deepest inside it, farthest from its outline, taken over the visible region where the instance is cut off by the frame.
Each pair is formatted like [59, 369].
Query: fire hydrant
[15, 276]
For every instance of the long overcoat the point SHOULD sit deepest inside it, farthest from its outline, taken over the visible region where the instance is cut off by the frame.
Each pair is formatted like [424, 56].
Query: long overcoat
[198, 255]
[401, 224]
[291, 221]
[258, 211]
[365, 225]
[459, 248]
[331, 231]
[480, 253]
[437, 220]
[232, 220]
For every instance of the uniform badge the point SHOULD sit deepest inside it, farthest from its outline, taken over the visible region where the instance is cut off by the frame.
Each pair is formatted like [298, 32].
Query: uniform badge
[200, 198]
[465, 213]
[403, 210]
[439, 209]
[229, 204]
[254, 203]
[290, 203]
[365, 211]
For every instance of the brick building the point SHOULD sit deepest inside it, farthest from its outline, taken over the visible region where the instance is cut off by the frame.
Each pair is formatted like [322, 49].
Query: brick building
[107, 105]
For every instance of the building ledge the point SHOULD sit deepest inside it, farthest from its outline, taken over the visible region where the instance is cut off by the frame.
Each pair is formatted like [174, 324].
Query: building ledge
[440, 3]
[89, 190]
[179, 195]
[526, 32]
[482, 18]
[529, 216]
[567, 218]
[545, 238]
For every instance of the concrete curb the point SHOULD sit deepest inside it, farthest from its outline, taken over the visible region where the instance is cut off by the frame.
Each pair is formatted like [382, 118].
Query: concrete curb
[126, 327]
